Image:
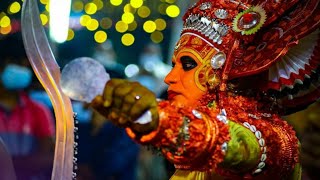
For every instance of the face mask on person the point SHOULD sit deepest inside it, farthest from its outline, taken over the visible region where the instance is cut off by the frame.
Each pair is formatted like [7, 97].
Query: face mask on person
[15, 77]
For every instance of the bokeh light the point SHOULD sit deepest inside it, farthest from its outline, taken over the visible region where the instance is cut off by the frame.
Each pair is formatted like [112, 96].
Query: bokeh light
[157, 37]
[5, 21]
[70, 35]
[98, 3]
[129, 9]
[131, 70]
[44, 19]
[173, 11]
[5, 30]
[44, 2]
[136, 3]
[161, 24]
[92, 25]
[100, 36]
[144, 11]
[84, 20]
[14, 7]
[127, 17]
[127, 39]
[106, 23]
[116, 2]
[132, 26]
[162, 9]
[90, 8]
[149, 26]
[121, 26]
[77, 6]
[170, 1]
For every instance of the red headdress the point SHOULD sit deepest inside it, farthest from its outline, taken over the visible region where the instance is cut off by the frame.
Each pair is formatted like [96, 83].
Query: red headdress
[278, 40]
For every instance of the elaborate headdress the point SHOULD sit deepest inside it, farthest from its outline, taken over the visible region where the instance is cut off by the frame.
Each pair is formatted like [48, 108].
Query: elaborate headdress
[278, 40]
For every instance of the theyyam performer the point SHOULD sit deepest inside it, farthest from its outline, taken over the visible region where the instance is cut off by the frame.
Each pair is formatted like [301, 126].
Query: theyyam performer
[236, 69]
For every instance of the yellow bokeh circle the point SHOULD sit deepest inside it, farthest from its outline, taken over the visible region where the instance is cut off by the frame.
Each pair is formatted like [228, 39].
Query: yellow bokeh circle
[100, 36]
[149, 26]
[90, 8]
[144, 11]
[116, 2]
[84, 20]
[173, 11]
[132, 26]
[14, 7]
[93, 25]
[70, 35]
[136, 3]
[161, 24]
[121, 26]
[127, 39]
[77, 6]
[44, 19]
[127, 17]
[106, 23]
[5, 21]
[157, 37]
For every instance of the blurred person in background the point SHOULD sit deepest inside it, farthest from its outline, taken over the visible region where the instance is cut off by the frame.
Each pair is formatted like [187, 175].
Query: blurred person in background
[26, 127]
[6, 165]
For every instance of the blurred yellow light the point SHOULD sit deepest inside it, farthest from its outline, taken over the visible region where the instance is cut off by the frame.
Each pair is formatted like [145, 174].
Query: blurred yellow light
[170, 1]
[157, 37]
[92, 25]
[100, 36]
[121, 26]
[44, 1]
[127, 39]
[5, 30]
[162, 9]
[136, 3]
[2, 14]
[84, 20]
[132, 26]
[70, 35]
[129, 9]
[149, 26]
[90, 8]
[47, 7]
[14, 7]
[77, 6]
[44, 19]
[144, 11]
[98, 3]
[106, 23]
[161, 24]
[116, 2]
[127, 18]
[173, 11]
[5, 21]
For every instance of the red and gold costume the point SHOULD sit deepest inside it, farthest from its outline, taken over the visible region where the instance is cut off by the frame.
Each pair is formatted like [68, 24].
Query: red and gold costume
[255, 61]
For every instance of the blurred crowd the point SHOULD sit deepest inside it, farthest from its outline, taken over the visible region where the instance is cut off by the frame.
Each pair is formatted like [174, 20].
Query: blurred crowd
[105, 152]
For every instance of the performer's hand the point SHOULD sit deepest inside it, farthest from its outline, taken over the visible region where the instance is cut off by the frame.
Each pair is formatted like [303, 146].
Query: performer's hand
[123, 102]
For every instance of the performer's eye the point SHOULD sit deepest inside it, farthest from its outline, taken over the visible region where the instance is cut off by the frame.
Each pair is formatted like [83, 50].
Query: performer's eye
[188, 63]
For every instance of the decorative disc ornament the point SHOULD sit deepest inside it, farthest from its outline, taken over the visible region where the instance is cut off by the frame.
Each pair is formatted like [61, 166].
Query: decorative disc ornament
[218, 60]
[249, 21]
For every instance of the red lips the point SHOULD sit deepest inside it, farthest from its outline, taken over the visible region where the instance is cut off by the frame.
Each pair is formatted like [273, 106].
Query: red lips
[171, 94]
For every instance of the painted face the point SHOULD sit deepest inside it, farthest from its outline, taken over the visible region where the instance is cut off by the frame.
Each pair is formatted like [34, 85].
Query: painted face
[191, 69]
